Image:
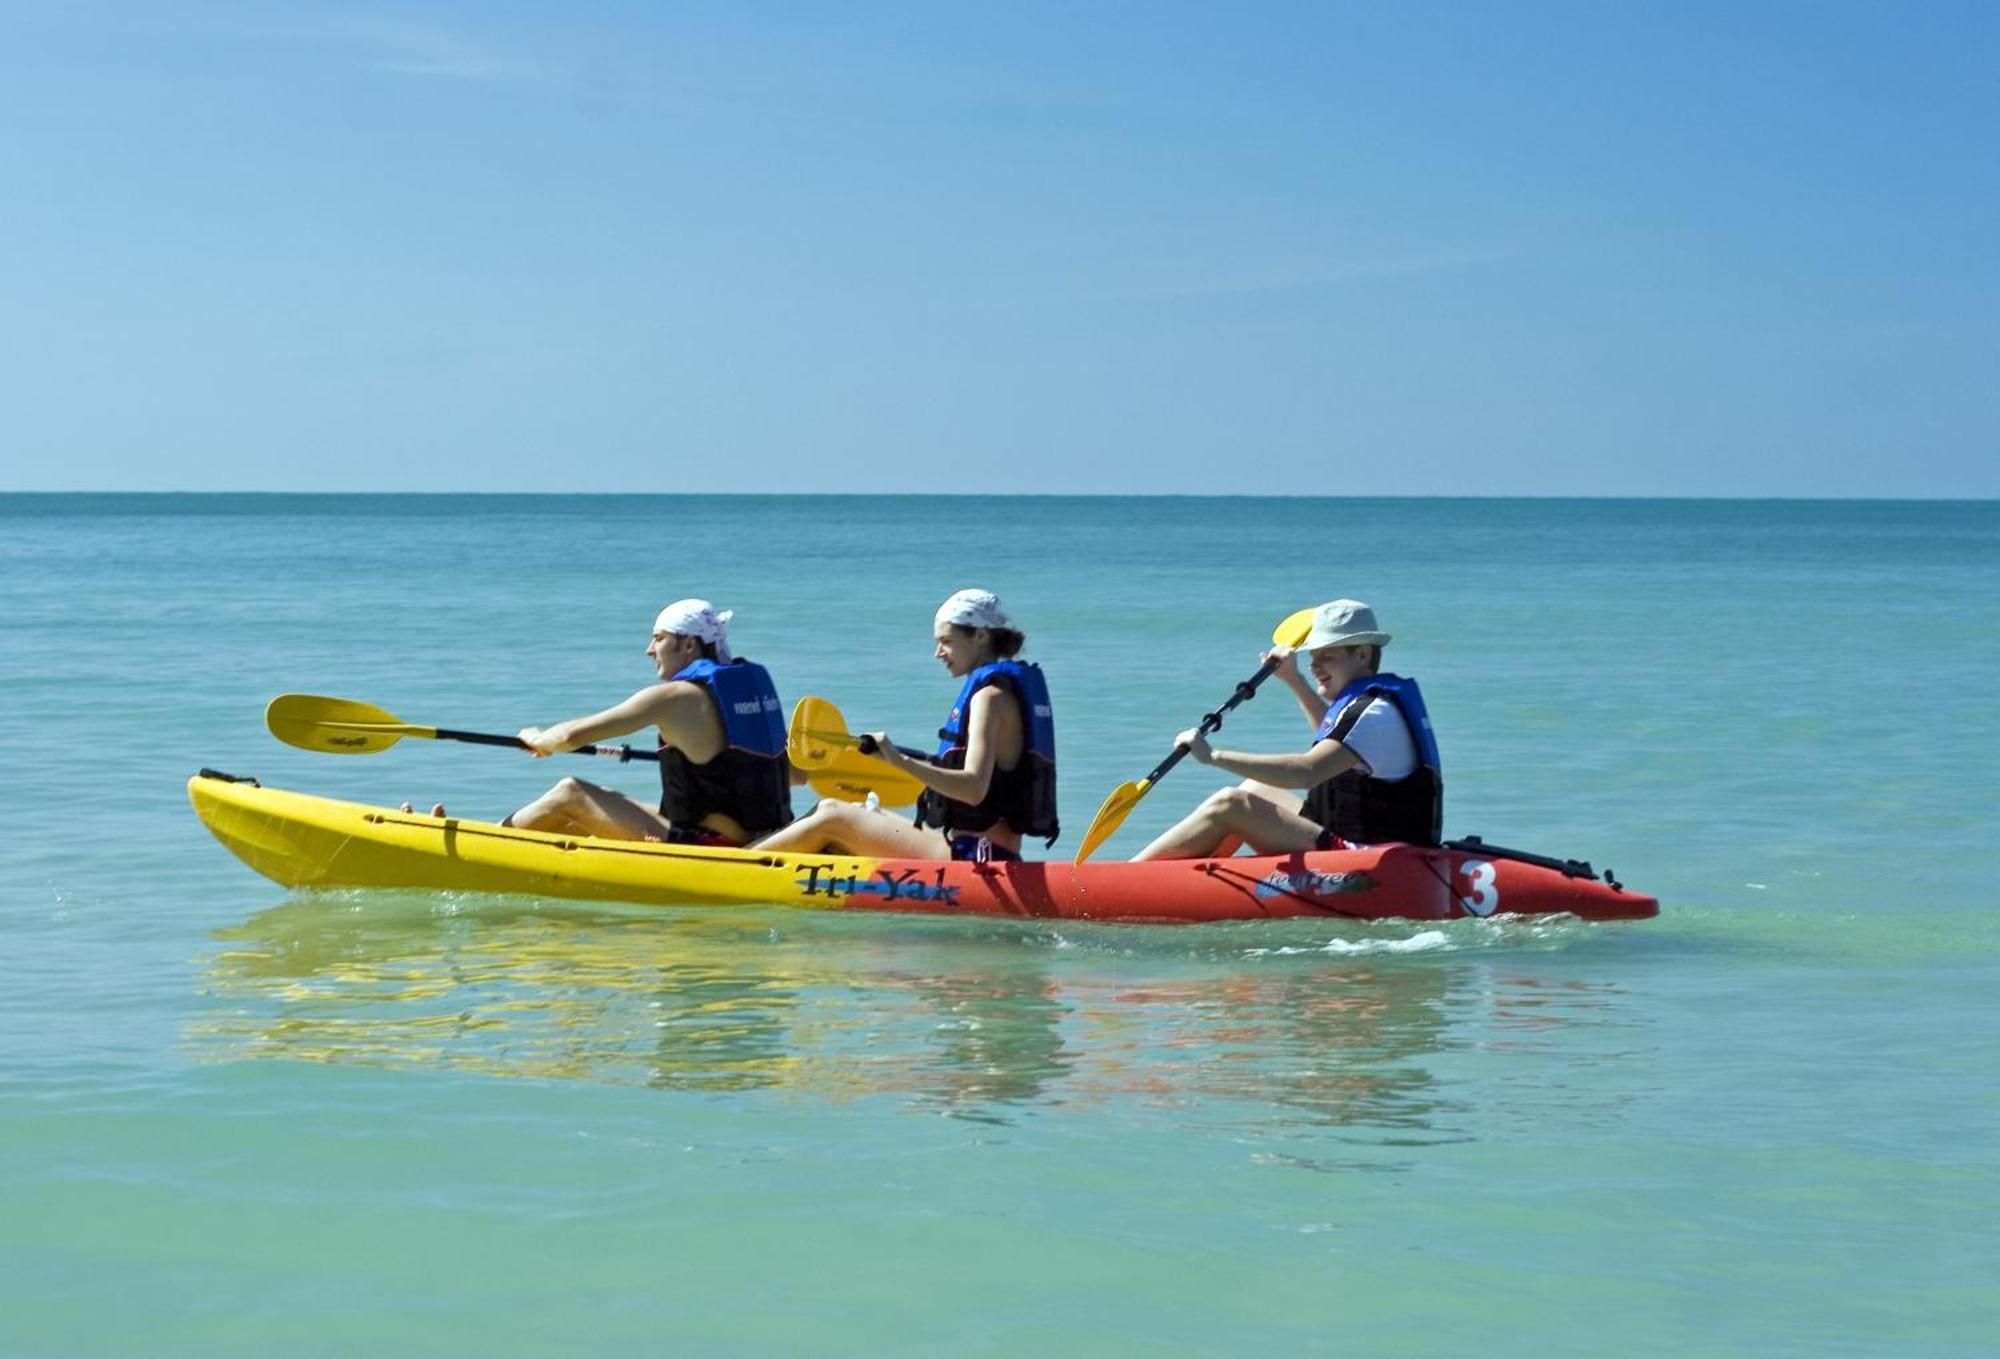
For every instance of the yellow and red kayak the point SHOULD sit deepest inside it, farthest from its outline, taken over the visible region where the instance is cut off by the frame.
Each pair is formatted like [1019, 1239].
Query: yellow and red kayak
[305, 841]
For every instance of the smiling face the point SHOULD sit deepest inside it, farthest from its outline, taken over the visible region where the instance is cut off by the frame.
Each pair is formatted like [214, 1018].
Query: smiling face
[672, 652]
[1335, 667]
[962, 650]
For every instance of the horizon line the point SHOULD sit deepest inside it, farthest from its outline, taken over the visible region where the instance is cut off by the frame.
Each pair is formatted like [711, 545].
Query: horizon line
[1030, 495]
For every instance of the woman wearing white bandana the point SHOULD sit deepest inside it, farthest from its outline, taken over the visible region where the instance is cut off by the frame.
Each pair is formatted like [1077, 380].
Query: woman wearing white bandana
[723, 773]
[993, 777]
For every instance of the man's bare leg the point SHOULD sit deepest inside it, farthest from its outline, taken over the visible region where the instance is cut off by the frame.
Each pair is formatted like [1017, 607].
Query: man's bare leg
[1231, 816]
[575, 807]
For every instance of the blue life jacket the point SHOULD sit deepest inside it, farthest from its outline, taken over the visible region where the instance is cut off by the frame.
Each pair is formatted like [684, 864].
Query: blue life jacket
[1357, 806]
[750, 781]
[1024, 796]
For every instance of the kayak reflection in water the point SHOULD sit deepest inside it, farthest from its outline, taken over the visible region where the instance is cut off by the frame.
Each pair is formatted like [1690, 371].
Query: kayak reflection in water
[1371, 773]
[993, 778]
[724, 777]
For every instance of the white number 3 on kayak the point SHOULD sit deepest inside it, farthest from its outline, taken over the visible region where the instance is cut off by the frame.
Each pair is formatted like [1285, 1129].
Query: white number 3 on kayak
[1483, 896]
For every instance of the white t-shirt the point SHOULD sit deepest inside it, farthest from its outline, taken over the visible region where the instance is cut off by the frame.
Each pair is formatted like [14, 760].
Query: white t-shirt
[1382, 739]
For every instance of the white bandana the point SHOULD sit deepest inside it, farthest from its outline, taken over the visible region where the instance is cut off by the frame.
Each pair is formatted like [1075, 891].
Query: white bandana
[974, 609]
[699, 619]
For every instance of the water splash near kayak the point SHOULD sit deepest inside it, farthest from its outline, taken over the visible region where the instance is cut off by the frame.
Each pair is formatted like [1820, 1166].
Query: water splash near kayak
[1429, 941]
[1461, 936]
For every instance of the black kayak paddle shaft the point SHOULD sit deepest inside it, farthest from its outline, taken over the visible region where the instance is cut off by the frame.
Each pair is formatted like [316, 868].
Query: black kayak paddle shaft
[480, 738]
[1213, 721]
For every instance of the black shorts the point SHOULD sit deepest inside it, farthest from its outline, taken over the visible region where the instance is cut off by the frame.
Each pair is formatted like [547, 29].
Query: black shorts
[699, 835]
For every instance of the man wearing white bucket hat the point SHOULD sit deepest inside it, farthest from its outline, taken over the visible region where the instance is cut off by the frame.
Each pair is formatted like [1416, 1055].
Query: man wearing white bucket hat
[1371, 773]
[724, 778]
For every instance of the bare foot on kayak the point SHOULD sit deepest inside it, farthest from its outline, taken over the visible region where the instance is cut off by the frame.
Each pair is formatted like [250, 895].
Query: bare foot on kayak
[437, 808]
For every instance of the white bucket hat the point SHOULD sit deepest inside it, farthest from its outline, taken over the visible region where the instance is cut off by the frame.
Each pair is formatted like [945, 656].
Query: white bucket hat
[1344, 622]
[974, 609]
[699, 619]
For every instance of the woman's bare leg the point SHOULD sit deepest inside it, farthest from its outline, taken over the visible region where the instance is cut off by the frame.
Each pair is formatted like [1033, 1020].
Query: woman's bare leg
[575, 807]
[1234, 814]
[848, 828]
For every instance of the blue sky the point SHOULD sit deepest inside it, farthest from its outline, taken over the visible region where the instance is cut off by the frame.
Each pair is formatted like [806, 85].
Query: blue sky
[1542, 249]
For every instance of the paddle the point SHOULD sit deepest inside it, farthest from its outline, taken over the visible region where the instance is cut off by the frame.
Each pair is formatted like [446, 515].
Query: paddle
[841, 765]
[1126, 796]
[345, 726]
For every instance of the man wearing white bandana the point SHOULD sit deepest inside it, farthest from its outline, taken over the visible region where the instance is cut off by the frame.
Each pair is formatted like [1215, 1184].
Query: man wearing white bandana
[723, 774]
[992, 779]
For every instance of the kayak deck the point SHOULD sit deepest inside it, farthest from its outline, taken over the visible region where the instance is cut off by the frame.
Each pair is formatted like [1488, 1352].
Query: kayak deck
[301, 840]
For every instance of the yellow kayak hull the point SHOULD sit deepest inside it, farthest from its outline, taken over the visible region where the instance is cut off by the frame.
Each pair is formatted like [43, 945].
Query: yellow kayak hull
[305, 841]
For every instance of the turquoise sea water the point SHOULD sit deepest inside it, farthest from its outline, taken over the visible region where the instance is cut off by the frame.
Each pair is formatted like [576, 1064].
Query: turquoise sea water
[237, 1121]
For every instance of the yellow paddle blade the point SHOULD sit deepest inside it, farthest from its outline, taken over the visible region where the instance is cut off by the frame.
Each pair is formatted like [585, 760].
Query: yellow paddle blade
[1294, 629]
[1111, 816]
[820, 744]
[818, 733]
[336, 726]
[895, 790]
[813, 739]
